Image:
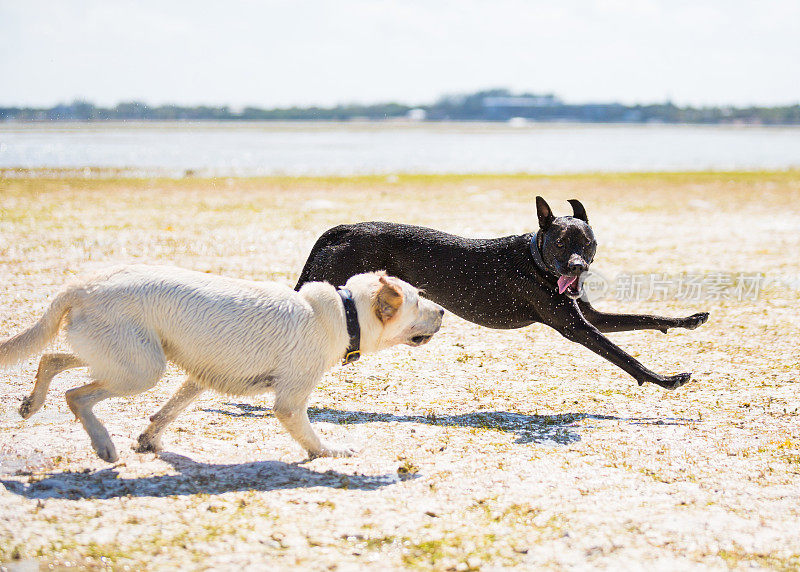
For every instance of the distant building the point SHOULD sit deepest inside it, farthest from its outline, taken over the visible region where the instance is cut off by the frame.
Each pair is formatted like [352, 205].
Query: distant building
[417, 114]
[503, 107]
[521, 101]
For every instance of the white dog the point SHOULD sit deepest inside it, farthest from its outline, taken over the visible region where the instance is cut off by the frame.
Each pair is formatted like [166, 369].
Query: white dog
[234, 336]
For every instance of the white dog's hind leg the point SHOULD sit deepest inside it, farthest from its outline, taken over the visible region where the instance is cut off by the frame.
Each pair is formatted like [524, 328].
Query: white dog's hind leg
[49, 366]
[150, 439]
[294, 417]
[80, 401]
[125, 358]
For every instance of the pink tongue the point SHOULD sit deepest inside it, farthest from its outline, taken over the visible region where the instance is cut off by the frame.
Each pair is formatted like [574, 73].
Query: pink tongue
[564, 283]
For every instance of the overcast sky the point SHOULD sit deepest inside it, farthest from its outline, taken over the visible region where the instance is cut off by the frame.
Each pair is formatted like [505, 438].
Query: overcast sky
[278, 53]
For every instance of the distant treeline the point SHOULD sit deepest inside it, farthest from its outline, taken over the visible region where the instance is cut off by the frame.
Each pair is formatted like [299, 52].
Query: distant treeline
[489, 105]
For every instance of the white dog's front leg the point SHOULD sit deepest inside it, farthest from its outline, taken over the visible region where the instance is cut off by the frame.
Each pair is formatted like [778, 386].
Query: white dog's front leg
[295, 420]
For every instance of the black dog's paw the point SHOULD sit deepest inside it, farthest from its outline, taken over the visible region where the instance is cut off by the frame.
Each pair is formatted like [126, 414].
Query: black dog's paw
[675, 381]
[689, 322]
[695, 320]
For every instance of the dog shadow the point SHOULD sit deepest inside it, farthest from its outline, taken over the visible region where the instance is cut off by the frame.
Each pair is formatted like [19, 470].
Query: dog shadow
[193, 478]
[560, 429]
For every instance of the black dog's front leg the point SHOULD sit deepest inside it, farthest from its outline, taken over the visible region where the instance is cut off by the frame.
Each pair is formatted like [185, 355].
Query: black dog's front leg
[626, 322]
[568, 321]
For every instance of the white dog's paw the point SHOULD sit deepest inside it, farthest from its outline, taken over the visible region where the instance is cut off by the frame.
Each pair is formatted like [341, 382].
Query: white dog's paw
[330, 450]
[148, 444]
[106, 451]
[29, 406]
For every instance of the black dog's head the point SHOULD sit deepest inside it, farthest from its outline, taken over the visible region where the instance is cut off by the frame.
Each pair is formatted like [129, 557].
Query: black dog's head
[566, 243]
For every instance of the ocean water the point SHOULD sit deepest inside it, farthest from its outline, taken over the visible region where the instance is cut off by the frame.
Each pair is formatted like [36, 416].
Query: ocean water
[367, 148]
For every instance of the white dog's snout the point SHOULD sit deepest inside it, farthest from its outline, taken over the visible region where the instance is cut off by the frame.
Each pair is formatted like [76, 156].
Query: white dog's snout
[437, 312]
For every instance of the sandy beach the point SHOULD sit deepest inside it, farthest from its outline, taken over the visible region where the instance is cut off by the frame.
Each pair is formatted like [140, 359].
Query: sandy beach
[484, 449]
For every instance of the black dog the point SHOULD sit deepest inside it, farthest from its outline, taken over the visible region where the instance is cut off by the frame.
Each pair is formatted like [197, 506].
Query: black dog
[507, 282]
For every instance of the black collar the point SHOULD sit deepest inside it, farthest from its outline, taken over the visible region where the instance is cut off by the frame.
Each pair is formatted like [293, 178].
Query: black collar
[353, 351]
[536, 254]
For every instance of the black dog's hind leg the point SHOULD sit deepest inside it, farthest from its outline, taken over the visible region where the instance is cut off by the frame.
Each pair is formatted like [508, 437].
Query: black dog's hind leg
[626, 322]
[322, 260]
[570, 324]
[325, 266]
[338, 254]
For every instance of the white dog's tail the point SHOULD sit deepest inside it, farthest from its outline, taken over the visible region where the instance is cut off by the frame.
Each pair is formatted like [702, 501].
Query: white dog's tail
[35, 339]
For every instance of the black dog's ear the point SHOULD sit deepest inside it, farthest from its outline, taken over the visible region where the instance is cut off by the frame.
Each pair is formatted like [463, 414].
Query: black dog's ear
[578, 211]
[545, 214]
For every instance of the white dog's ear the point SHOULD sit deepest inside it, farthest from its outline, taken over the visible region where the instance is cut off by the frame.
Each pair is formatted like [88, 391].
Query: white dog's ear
[388, 300]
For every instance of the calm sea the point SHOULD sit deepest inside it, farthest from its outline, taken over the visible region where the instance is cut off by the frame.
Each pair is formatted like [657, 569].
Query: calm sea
[363, 148]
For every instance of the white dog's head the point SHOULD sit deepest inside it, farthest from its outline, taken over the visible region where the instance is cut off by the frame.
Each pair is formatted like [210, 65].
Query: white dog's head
[392, 312]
